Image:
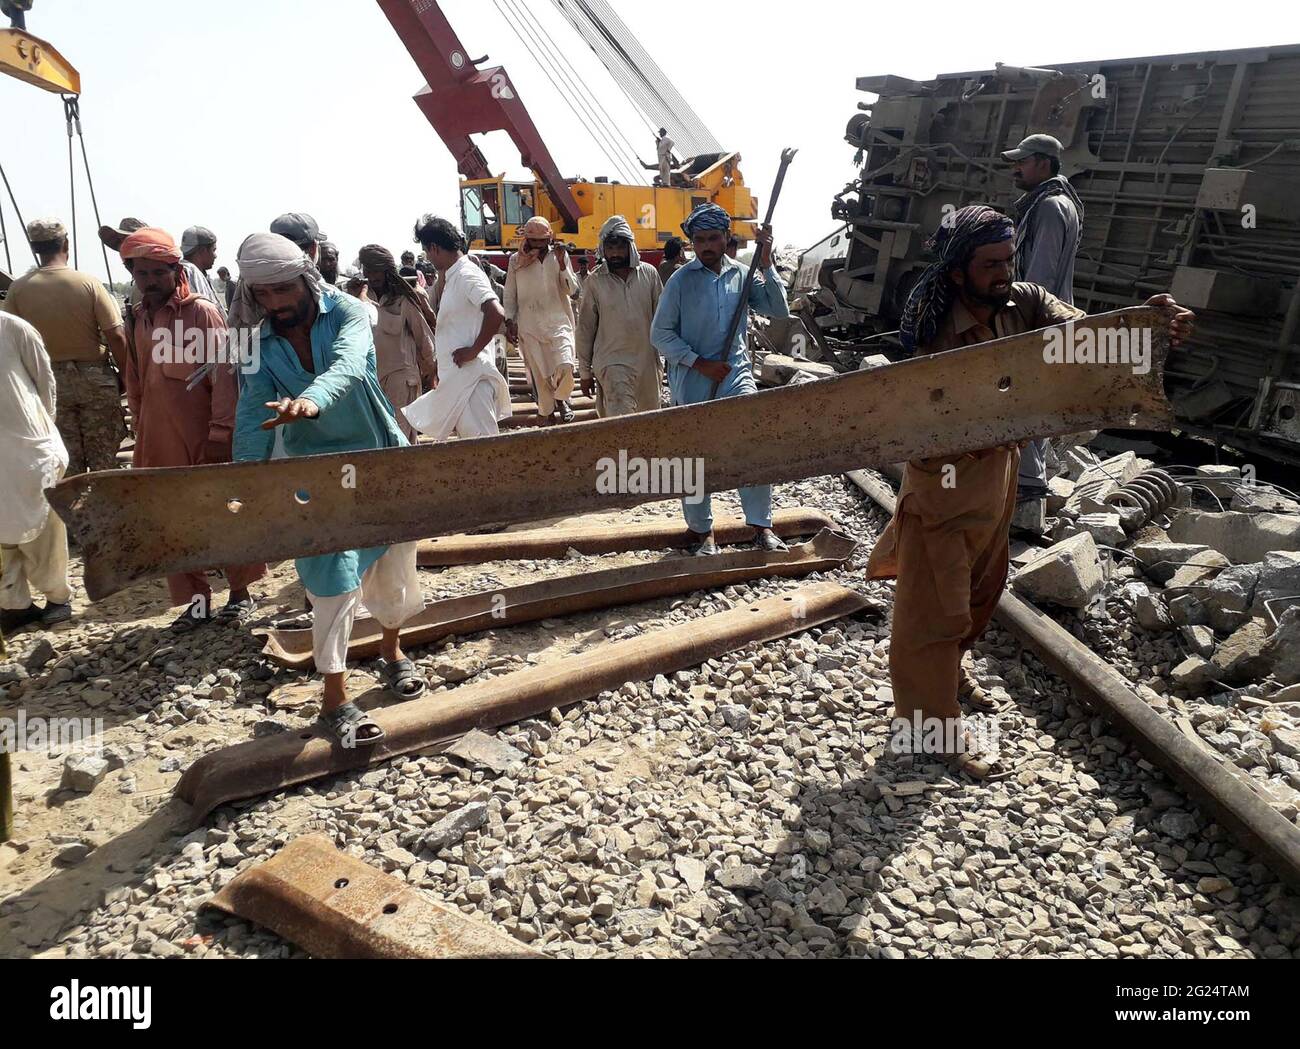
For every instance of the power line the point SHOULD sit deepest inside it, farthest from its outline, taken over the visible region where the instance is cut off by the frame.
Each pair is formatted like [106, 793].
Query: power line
[572, 98]
[637, 73]
[609, 123]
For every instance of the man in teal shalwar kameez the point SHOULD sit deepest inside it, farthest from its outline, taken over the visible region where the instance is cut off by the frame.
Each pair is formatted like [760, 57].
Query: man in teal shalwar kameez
[316, 376]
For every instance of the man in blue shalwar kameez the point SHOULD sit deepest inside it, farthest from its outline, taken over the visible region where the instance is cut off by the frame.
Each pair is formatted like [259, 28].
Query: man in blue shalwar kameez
[317, 376]
[689, 329]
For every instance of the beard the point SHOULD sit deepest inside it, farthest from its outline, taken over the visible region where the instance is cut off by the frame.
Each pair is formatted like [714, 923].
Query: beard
[618, 265]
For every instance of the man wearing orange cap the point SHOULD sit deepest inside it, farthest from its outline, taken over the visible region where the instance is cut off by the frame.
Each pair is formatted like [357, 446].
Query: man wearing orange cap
[539, 317]
[182, 390]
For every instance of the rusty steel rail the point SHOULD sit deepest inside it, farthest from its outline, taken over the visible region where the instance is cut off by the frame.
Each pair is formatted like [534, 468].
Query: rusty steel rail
[536, 544]
[333, 905]
[583, 592]
[141, 524]
[1233, 803]
[261, 766]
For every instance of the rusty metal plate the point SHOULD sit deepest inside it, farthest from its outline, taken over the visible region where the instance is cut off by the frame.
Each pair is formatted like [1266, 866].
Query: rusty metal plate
[536, 544]
[333, 905]
[260, 766]
[141, 524]
[582, 592]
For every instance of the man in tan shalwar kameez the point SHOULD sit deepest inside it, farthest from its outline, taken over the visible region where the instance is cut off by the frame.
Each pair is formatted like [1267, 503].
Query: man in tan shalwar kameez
[616, 360]
[539, 316]
[404, 353]
[948, 541]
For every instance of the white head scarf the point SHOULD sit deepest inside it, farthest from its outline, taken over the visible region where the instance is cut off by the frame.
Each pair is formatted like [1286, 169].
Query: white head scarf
[616, 226]
[268, 258]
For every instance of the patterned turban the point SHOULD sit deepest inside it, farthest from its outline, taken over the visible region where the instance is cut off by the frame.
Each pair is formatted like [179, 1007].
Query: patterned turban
[955, 241]
[706, 217]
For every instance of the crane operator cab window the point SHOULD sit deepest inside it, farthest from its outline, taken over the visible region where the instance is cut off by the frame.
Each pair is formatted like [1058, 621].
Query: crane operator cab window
[480, 212]
[519, 203]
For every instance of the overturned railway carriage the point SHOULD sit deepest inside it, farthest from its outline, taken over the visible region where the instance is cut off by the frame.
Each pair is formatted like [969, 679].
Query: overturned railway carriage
[1189, 170]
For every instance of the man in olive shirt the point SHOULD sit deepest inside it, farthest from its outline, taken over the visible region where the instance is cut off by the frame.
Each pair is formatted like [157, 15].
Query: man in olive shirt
[948, 541]
[77, 318]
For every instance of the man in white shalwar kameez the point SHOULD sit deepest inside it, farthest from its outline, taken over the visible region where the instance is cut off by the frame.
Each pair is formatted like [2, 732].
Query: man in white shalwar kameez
[33, 539]
[539, 317]
[469, 396]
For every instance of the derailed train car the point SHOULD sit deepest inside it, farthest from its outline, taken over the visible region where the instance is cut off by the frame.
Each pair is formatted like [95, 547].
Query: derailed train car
[1189, 170]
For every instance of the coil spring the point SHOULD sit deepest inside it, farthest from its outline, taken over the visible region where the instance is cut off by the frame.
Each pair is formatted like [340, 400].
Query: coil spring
[1152, 491]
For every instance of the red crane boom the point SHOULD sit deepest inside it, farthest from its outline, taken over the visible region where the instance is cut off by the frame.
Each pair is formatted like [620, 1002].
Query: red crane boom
[461, 100]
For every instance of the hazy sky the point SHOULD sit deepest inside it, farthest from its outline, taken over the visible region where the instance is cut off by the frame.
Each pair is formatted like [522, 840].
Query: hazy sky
[227, 114]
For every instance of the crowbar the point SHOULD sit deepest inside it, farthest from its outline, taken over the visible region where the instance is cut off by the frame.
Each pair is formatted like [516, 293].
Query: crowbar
[787, 155]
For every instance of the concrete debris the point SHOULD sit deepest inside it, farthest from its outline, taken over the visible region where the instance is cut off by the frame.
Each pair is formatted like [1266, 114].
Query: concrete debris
[1161, 559]
[1282, 650]
[1149, 608]
[778, 369]
[1256, 499]
[479, 750]
[83, 772]
[42, 654]
[1106, 529]
[1077, 462]
[1241, 538]
[1240, 658]
[1278, 587]
[1216, 478]
[449, 830]
[1058, 493]
[1067, 574]
[1227, 598]
[1103, 478]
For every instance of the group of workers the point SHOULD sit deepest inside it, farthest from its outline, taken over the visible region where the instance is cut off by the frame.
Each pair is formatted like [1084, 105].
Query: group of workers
[340, 372]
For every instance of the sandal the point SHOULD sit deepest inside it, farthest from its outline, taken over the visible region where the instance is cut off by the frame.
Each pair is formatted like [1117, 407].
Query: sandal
[402, 679]
[981, 768]
[239, 613]
[352, 726]
[187, 622]
[974, 696]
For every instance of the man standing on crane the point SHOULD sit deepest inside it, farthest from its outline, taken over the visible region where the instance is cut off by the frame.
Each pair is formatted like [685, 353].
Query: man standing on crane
[664, 147]
[539, 316]
[689, 329]
[77, 318]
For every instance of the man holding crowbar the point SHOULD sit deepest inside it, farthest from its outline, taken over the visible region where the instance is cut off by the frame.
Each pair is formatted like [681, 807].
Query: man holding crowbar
[706, 361]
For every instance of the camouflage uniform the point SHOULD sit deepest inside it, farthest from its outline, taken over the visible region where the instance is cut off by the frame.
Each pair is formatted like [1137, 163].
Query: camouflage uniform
[89, 415]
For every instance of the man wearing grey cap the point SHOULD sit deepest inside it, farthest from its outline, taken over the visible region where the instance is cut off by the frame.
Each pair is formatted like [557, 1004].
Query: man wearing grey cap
[1048, 223]
[301, 228]
[76, 318]
[199, 248]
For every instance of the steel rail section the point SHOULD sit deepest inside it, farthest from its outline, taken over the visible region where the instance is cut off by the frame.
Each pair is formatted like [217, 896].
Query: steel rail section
[581, 592]
[260, 766]
[140, 524]
[536, 544]
[1233, 803]
[333, 905]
